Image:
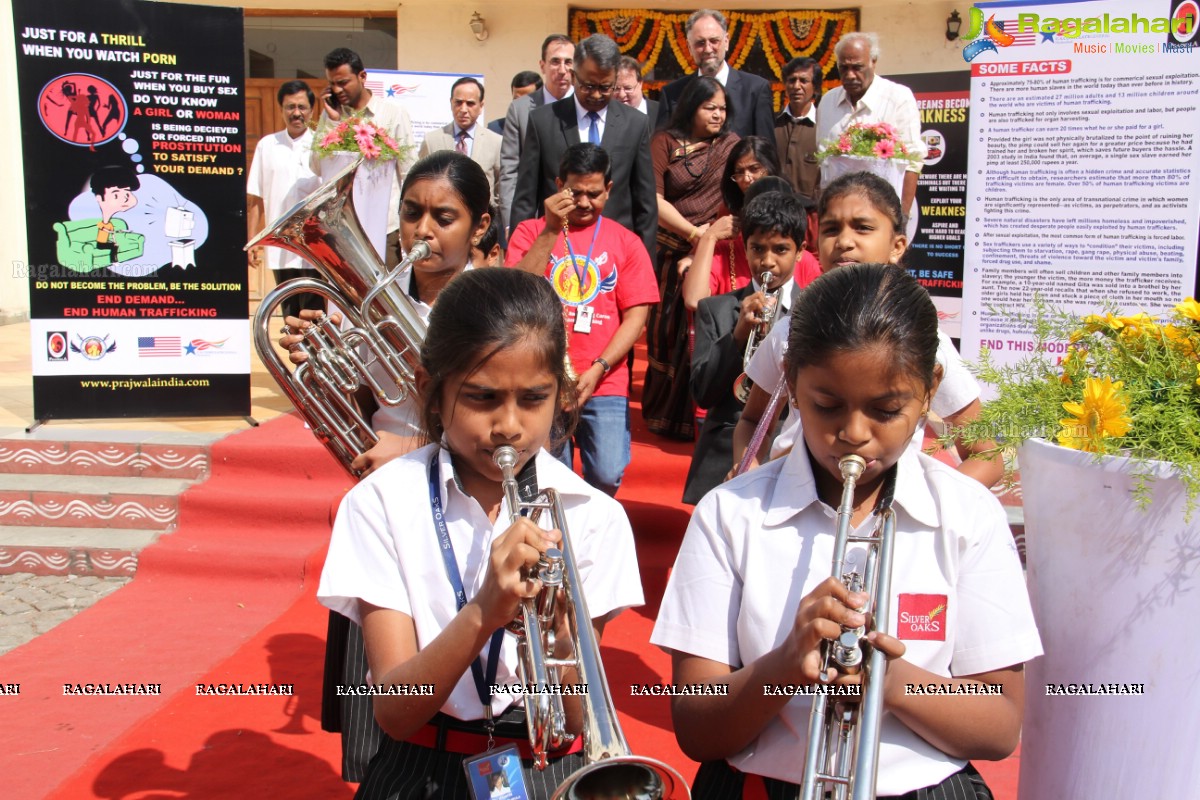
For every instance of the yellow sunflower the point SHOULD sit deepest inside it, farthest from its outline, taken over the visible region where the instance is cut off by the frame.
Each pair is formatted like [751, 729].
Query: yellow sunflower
[1101, 414]
[1189, 309]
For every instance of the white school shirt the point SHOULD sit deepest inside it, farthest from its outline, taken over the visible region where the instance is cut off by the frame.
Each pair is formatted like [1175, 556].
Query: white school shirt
[403, 419]
[385, 550]
[759, 543]
[884, 101]
[280, 175]
[957, 390]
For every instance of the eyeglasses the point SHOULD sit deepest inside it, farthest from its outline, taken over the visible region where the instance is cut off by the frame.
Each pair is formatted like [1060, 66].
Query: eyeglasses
[756, 171]
[594, 88]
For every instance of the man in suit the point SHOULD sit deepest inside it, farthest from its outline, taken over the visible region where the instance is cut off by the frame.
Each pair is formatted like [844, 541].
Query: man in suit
[523, 83]
[629, 88]
[591, 115]
[558, 57]
[750, 95]
[465, 136]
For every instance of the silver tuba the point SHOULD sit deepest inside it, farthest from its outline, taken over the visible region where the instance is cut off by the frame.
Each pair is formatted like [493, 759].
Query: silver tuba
[843, 737]
[611, 771]
[382, 328]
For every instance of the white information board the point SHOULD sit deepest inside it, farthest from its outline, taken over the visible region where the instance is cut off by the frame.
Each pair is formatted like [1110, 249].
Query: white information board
[1082, 172]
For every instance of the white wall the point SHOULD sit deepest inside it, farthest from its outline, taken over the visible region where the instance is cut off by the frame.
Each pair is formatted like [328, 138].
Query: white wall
[433, 36]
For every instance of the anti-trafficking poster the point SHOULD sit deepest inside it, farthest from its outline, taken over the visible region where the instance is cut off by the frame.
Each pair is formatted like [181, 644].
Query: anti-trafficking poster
[936, 252]
[132, 128]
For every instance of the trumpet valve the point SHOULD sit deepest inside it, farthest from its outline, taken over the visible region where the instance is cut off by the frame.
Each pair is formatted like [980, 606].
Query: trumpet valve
[847, 651]
[550, 573]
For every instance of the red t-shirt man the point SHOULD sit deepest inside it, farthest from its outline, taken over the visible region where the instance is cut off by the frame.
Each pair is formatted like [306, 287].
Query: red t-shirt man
[603, 276]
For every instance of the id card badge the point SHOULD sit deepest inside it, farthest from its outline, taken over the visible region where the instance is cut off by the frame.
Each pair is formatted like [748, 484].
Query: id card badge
[496, 775]
[583, 319]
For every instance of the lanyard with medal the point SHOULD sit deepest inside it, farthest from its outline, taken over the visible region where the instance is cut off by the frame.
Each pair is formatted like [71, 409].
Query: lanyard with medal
[486, 770]
[583, 313]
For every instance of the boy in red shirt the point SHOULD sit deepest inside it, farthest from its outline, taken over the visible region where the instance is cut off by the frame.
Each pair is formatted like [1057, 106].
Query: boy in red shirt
[604, 278]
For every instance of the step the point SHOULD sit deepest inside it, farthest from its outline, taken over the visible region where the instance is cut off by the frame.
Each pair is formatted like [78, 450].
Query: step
[90, 502]
[106, 453]
[71, 551]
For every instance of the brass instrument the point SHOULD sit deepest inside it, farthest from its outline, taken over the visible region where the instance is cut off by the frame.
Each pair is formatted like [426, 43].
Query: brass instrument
[611, 771]
[843, 737]
[741, 387]
[382, 327]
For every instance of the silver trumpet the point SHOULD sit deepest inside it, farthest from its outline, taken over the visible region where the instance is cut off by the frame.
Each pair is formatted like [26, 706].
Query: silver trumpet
[843, 737]
[741, 387]
[382, 327]
[610, 770]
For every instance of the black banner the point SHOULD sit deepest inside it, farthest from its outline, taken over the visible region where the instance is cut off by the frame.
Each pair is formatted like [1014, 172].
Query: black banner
[132, 126]
[935, 253]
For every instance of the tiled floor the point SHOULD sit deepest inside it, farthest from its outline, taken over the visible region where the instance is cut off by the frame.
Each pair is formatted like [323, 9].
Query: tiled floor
[16, 399]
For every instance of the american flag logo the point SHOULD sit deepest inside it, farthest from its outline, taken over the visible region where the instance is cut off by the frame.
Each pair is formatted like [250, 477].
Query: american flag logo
[205, 344]
[1020, 38]
[158, 346]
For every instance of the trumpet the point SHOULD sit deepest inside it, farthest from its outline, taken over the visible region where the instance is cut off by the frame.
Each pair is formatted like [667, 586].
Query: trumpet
[382, 326]
[610, 770]
[843, 737]
[741, 387]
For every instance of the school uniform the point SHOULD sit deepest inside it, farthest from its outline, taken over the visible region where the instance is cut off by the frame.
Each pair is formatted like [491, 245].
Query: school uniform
[386, 550]
[759, 543]
[352, 716]
[717, 361]
[957, 390]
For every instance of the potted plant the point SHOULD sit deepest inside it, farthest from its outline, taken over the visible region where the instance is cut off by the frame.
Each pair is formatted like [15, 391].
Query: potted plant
[1104, 417]
[337, 144]
[866, 147]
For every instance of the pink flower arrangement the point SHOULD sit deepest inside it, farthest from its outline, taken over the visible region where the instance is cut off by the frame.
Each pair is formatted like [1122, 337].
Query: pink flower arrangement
[359, 135]
[867, 140]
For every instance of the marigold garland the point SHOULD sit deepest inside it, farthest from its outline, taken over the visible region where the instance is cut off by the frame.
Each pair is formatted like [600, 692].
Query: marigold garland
[761, 41]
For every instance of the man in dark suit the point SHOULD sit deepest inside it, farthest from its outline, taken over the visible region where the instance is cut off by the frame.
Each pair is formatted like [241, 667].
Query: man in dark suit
[629, 88]
[558, 57]
[523, 83]
[591, 116]
[750, 95]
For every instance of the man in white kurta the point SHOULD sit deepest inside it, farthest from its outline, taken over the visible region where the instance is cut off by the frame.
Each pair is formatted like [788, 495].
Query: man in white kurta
[866, 98]
[280, 176]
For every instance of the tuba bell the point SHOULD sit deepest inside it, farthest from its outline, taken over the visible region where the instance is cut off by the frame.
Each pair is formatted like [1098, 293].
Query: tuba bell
[382, 328]
[843, 737]
[611, 772]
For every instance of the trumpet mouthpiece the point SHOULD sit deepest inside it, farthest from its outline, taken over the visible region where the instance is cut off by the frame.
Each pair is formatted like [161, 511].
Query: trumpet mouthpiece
[505, 457]
[419, 251]
[852, 466]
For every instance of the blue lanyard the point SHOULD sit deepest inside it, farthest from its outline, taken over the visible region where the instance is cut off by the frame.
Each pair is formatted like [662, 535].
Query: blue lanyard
[571, 254]
[482, 684]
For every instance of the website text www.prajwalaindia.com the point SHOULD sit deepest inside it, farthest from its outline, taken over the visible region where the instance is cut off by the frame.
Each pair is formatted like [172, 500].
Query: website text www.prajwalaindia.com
[145, 383]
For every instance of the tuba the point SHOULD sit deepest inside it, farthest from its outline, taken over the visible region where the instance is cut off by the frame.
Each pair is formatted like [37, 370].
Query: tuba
[611, 770]
[741, 387]
[843, 737]
[382, 327]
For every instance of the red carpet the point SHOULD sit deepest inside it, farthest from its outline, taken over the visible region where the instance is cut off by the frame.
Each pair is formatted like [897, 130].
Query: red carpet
[229, 598]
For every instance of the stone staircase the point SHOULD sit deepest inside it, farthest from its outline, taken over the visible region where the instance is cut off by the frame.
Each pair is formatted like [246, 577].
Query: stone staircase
[87, 502]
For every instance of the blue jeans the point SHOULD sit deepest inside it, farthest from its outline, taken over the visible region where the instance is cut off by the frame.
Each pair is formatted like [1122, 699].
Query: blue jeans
[603, 440]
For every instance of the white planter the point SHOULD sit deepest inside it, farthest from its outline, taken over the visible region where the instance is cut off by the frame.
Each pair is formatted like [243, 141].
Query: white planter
[890, 169]
[372, 193]
[1116, 594]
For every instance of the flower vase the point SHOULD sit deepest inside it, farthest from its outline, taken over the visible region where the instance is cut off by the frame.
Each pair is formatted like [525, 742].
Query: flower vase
[372, 193]
[1115, 591]
[890, 169]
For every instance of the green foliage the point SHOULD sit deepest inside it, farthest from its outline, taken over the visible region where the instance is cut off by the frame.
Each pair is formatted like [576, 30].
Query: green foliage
[1153, 364]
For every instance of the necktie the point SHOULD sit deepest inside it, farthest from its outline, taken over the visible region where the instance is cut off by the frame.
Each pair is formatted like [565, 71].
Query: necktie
[461, 146]
[593, 128]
